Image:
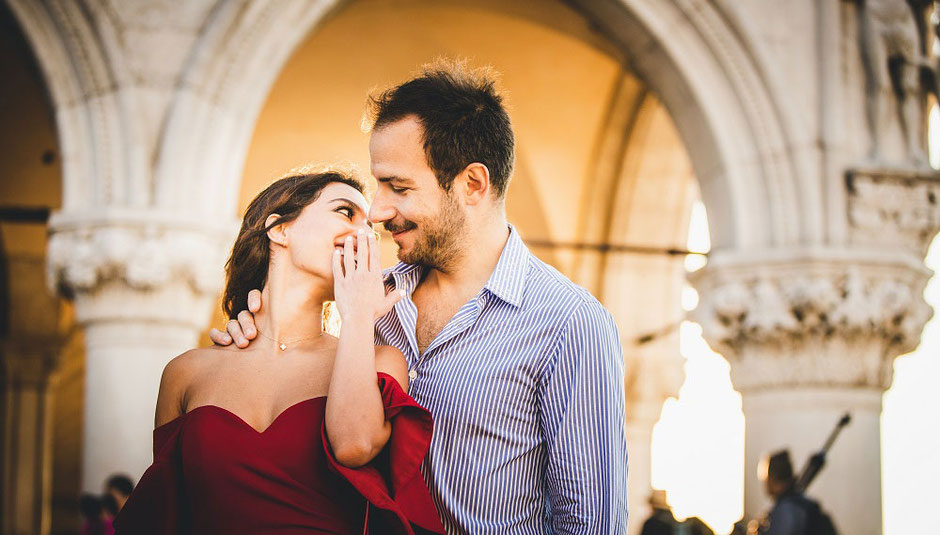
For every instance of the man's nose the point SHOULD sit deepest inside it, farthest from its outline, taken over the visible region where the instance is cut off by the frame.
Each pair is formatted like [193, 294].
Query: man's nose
[380, 211]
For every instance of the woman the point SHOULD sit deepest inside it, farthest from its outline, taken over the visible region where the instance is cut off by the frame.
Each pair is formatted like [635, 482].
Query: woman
[304, 432]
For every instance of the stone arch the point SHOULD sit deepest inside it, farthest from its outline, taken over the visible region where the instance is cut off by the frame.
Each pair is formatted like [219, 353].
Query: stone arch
[694, 55]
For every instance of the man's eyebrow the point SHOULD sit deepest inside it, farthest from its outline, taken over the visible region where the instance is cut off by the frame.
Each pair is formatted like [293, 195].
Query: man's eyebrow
[395, 178]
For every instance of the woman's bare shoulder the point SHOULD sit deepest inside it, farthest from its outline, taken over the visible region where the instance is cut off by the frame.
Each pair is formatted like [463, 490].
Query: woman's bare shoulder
[180, 371]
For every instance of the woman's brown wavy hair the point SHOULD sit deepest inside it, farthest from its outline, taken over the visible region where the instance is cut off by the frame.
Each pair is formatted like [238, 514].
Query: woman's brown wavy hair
[247, 266]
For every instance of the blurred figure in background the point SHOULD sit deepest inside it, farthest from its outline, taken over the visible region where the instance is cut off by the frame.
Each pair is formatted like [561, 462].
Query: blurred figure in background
[793, 513]
[663, 522]
[118, 487]
[95, 520]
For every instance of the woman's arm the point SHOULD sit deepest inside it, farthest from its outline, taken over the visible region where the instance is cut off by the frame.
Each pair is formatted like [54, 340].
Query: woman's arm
[355, 415]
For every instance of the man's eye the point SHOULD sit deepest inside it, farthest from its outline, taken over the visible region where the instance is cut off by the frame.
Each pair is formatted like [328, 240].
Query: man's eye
[397, 190]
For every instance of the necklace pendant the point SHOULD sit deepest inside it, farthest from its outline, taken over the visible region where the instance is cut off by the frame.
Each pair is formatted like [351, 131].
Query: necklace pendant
[283, 347]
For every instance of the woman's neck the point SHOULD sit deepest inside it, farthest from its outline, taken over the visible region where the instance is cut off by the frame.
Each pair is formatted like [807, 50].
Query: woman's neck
[291, 306]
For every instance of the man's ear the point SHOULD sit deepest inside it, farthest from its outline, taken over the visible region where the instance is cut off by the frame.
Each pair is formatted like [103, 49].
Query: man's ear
[276, 233]
[477, 180]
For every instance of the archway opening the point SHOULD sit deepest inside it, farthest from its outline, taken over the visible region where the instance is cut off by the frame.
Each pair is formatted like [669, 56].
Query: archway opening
[603, 188]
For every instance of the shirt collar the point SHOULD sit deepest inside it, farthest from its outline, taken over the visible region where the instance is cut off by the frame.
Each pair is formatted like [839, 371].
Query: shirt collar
[507, 281]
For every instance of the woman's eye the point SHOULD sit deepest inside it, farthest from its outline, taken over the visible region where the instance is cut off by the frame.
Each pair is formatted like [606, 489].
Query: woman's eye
[346, 210]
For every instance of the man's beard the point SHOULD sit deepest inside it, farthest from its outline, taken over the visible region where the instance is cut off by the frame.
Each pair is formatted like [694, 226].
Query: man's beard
[437, 242]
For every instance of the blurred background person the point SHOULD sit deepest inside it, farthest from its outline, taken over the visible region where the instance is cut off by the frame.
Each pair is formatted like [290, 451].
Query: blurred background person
[793, 513]
[95, 520]
[118, 487]
[664, 522]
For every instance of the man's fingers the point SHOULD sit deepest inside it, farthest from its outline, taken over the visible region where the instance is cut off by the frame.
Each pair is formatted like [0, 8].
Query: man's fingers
[247, 323]
[235, 331]
[254, 301]
[219, 338]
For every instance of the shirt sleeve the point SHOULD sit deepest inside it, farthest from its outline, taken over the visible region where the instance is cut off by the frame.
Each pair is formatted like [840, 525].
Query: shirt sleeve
[582, 415]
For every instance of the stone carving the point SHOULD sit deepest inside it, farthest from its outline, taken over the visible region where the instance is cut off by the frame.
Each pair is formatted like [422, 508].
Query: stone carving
[893, 209]
[144, 256]
[893, 58]
[829, 324]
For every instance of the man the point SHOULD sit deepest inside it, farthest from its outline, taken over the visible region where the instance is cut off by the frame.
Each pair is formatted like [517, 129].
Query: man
[521, 369]
[663, 522]
[792, 513]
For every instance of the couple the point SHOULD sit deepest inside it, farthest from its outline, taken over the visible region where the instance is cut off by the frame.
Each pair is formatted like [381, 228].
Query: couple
[521, 369]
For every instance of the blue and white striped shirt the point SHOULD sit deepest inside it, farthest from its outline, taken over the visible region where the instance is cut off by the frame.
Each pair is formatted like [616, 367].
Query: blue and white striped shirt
[526, 387]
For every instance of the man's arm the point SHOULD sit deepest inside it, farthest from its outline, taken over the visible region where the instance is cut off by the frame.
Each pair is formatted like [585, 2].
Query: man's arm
[582, 413]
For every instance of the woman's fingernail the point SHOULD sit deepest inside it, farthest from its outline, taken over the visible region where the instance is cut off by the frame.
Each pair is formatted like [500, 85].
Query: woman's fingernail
[401, 292]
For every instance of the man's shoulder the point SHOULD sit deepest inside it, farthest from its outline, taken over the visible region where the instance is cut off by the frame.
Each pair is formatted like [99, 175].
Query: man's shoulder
[548, 286]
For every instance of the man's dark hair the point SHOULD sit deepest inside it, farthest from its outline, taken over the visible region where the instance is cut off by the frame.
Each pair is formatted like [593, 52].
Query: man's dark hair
[121, 483]
[779, 466]
[463, 118]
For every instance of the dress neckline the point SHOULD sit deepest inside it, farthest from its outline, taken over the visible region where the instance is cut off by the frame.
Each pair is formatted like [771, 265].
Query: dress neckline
[239, 418]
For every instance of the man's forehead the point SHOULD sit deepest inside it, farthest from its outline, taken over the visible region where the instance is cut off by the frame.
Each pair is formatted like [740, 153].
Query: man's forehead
[397, 150]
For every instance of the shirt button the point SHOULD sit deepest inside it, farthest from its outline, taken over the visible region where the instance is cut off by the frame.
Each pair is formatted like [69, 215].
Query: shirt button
[412, 374]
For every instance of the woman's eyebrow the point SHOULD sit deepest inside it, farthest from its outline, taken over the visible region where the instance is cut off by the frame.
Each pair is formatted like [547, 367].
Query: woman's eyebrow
[348, 201]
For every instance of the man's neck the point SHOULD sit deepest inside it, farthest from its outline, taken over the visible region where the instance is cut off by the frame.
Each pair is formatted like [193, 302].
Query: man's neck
[478, 259]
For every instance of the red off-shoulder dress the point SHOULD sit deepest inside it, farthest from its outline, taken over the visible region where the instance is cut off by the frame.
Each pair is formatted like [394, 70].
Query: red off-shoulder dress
[213, 473]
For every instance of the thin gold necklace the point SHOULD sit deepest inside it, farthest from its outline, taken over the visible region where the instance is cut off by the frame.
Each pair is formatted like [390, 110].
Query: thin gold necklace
[283, 345]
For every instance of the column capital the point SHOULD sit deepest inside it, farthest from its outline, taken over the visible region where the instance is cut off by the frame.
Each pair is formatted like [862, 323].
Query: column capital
[122, 263]
[893, 209]
[833, 319]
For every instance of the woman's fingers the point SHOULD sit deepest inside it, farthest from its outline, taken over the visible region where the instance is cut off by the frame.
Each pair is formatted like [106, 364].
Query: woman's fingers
[362, 250]
[349, 255]
[375, 262]
[389, 301]
[337, 265]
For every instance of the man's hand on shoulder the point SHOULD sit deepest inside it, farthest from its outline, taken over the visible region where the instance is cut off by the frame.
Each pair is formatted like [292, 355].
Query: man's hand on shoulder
[241, 330]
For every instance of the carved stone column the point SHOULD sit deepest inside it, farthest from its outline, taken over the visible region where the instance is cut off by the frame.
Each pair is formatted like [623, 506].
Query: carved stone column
[811, 334]
[26, 430]
[143, 287]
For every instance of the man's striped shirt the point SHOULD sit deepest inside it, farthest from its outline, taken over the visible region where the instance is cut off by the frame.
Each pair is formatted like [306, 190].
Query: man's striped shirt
[525, 384]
